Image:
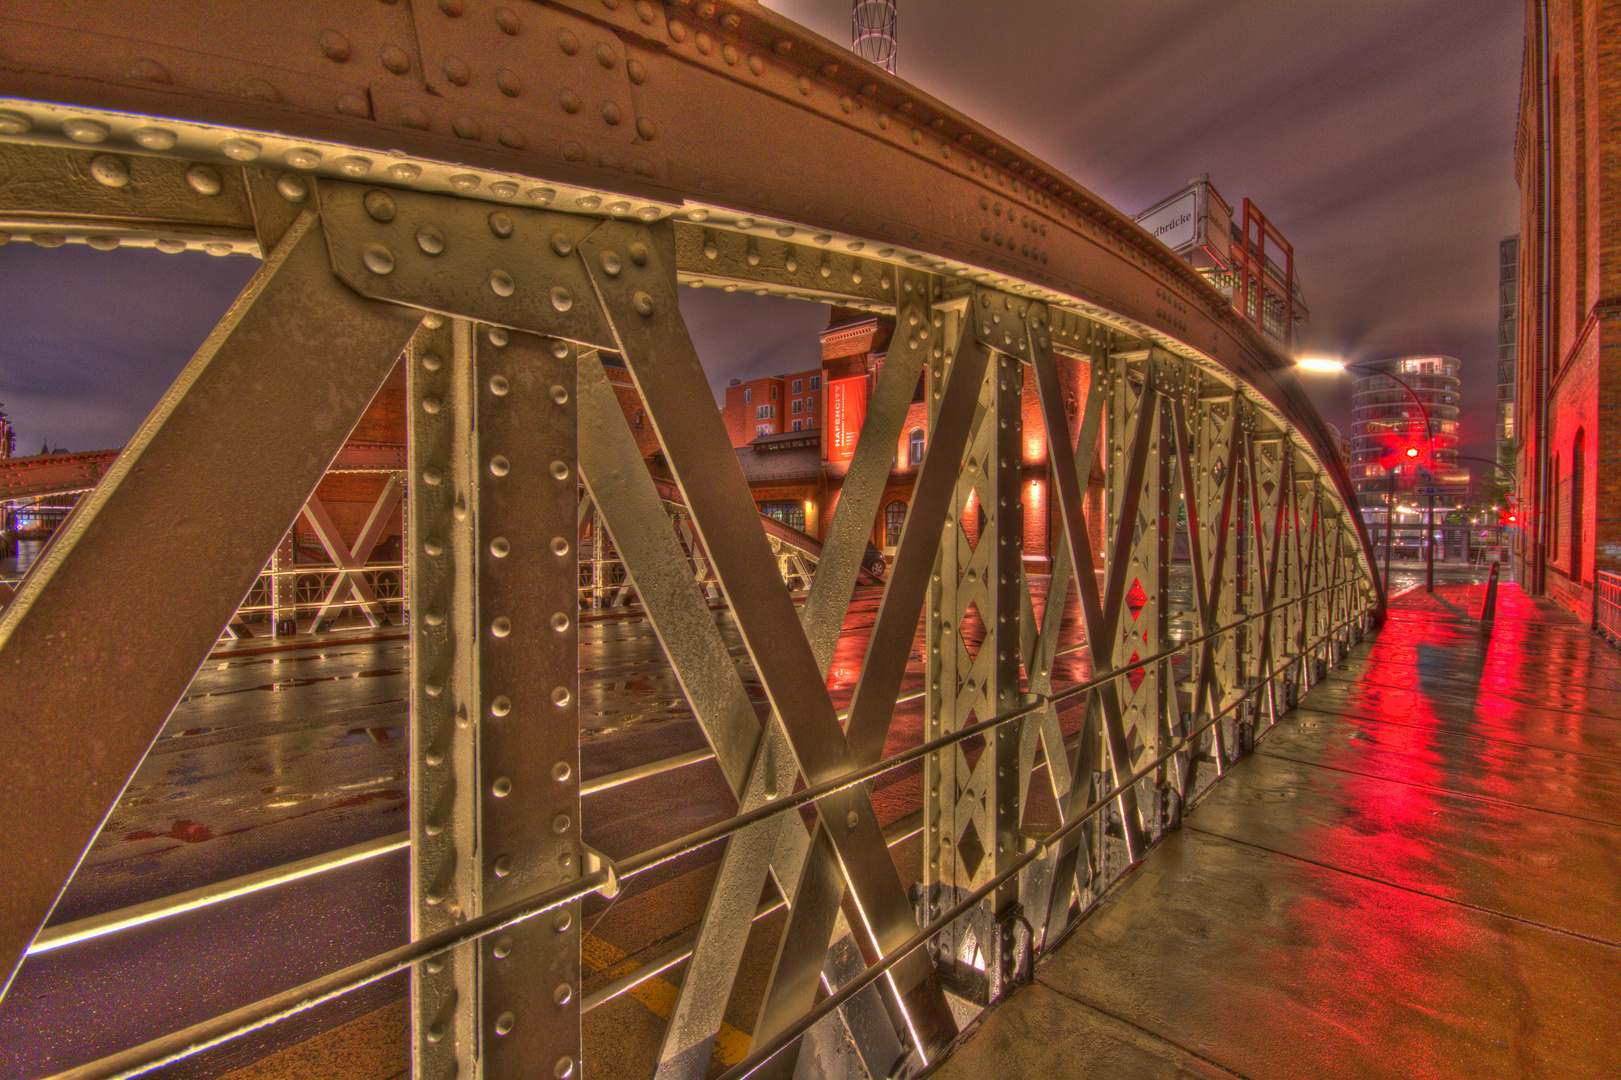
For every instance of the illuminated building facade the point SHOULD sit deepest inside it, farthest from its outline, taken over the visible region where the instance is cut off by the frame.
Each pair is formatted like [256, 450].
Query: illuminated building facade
[1567, 440]
[1388, 435]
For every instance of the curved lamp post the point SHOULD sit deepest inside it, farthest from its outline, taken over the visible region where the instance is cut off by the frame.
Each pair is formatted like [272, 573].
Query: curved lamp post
[1329, 364]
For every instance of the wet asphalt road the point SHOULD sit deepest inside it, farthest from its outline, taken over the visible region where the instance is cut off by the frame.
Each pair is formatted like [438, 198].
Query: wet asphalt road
[278, 755]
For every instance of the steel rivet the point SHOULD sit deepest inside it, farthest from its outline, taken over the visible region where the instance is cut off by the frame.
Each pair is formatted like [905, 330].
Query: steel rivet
[564, 1068]
[611, 264]
[588, 202]
[502, 949]
[561, 772]
[431, 405]
[404, 172]
[430, 361]
[563, 994]
[378, 259]
[430, 240]
[562, 244]
[503, 866]
[561, 697]
[560, 622]
[559, 546]
[431, 477]
[433, 546]
[203, 179]
[501, 705]
[562, 921]
[499, 385]
[15, 123]
[379, 205]
[638, 253]
[167, 245]
[433, 687]
[501, 627]
[434, 758]
[302, 157]
[501, 788]
[504, 1023]
[611, 113]
[457, 71]
[335, 46]
[853, 819]
[499, 465]
[643, 304]
[110, 171]
[606, 56]
[433, 617]
[240, 150]
[560, 470]
[501, 283]
[498, 336]
[568, 42]
[150, 137]
[565, 859]
[100, 243]
[465, 182]
[85, 131]
[562, 299]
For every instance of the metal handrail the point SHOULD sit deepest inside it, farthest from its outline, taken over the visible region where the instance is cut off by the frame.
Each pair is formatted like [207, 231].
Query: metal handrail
[1607, 604]
[177, 1045]
[878, 968]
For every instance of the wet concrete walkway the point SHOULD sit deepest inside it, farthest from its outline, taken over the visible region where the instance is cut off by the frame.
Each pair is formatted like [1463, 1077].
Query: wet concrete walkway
[1417, 874]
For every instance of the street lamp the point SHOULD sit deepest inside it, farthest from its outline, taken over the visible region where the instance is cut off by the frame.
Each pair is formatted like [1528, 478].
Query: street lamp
[1325, 364]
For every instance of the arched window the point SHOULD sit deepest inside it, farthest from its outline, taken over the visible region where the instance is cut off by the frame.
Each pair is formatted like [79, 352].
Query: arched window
[1578, 461]
[894, 518]
[914, 451]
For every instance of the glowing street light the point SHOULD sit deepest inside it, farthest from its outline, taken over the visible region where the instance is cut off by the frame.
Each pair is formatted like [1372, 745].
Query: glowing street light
[1327, 364]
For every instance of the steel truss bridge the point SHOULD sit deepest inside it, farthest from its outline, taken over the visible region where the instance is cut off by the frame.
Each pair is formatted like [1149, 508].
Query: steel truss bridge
[503, 193]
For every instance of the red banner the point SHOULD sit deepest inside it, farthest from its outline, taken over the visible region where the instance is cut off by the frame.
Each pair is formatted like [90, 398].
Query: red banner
[847, 409]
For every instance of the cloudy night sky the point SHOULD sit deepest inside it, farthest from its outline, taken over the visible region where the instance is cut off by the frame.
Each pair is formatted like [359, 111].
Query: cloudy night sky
[1378, 135]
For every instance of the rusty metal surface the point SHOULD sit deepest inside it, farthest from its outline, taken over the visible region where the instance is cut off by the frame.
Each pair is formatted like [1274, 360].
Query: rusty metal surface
[1373, 894]
[632, 110]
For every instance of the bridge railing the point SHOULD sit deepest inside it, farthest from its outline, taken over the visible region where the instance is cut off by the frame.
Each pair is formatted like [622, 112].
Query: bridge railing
[430, 217]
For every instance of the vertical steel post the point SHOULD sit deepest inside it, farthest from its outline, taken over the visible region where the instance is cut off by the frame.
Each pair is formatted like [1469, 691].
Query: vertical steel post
[1390, 524]
[494, 691]
[1429, 546]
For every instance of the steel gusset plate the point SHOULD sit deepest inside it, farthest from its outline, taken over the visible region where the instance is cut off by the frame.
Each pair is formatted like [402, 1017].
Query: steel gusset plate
[509, 266]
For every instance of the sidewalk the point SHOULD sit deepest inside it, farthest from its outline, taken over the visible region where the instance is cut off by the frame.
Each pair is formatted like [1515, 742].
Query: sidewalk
[1417, 874]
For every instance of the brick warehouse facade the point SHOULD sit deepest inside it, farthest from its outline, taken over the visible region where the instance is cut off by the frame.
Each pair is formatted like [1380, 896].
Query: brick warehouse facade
[1568, 399]
[796, 476]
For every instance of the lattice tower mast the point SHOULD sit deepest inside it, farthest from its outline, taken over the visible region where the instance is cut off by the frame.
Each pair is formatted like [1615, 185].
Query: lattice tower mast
[872, 31]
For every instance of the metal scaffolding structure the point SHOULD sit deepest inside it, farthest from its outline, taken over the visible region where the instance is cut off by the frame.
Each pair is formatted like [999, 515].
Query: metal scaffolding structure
[433, 216]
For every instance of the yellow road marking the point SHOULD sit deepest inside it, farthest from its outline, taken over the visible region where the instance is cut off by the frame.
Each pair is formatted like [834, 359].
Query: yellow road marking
[731, 1045]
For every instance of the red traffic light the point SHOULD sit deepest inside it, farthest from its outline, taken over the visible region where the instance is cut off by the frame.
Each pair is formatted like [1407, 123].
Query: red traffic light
[1411, 451]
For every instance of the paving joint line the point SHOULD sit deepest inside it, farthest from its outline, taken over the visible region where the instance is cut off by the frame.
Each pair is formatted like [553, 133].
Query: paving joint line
[1450, 731]
[1133, 1025]
[1440, 790]
[1407, 888]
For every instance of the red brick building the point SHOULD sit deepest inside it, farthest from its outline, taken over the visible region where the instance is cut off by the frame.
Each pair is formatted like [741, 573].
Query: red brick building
[796, 473]
[773, 405]
[1568, 400]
